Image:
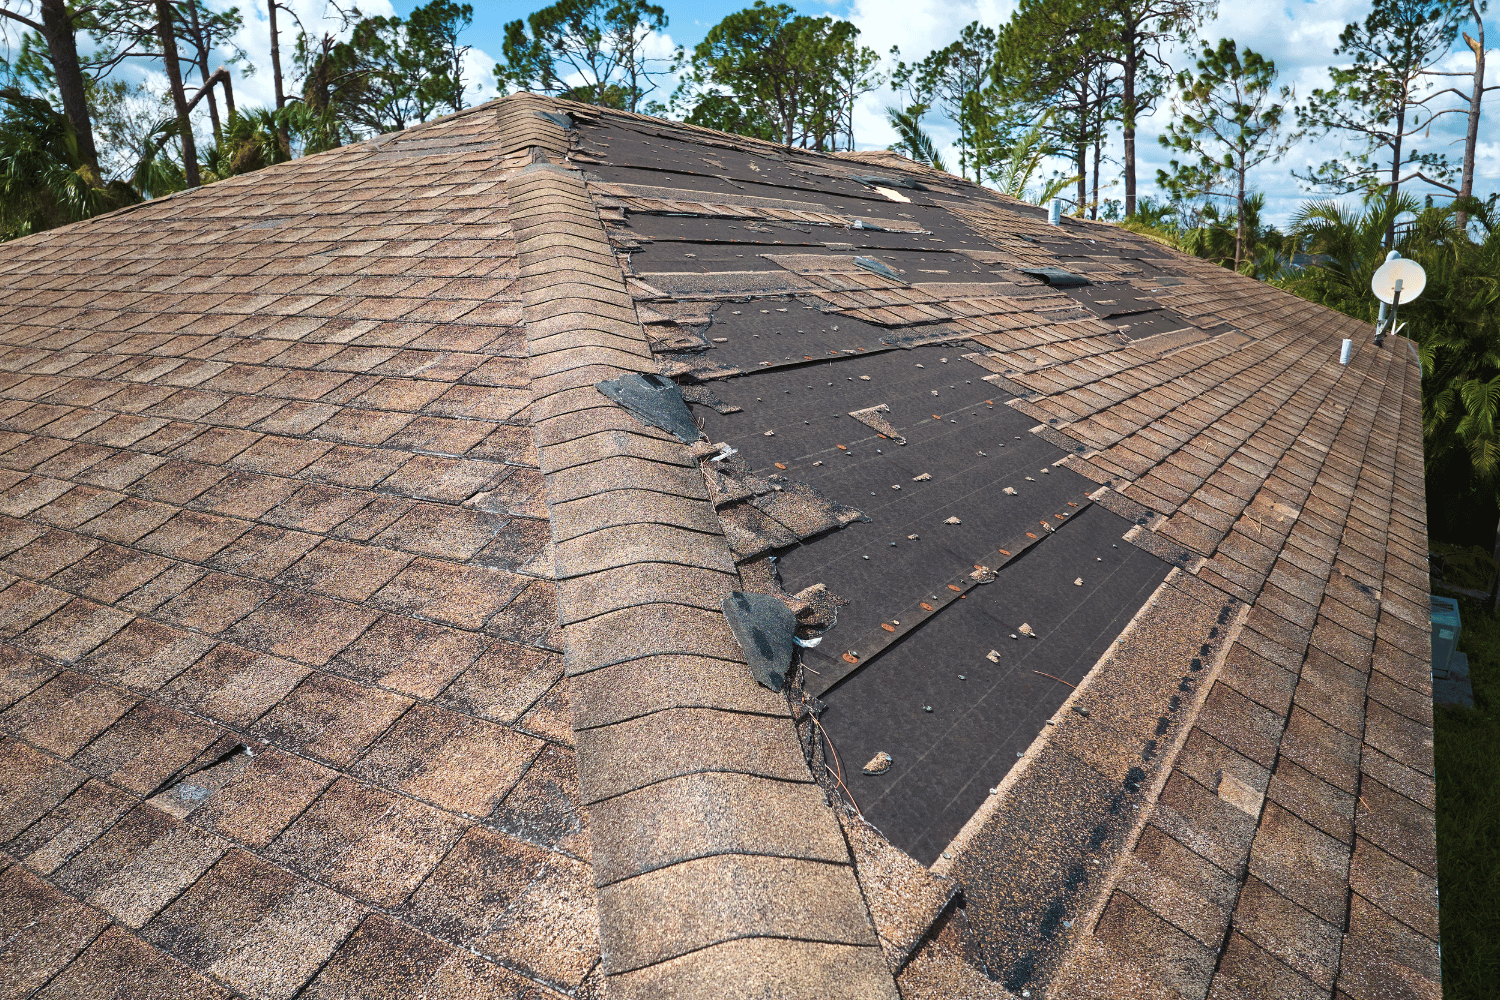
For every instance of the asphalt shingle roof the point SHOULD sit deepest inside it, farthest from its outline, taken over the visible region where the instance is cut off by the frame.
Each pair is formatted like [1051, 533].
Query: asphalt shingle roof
[356, 645]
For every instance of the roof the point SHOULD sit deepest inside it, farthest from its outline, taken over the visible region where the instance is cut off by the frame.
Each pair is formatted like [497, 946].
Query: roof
[357, 645]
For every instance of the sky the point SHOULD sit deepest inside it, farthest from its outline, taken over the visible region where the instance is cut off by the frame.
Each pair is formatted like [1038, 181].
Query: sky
[1299, 35]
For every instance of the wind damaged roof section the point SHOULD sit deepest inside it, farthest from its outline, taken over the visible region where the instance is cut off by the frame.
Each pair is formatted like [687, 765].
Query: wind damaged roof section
[1200, 410]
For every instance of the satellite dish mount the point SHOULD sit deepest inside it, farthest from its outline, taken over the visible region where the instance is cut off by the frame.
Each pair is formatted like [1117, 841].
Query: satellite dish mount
[1397, 280]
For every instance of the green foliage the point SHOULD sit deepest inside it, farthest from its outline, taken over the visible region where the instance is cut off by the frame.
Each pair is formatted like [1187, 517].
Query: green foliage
[601, 41]
[794, 78]
[1051, 56]
[1379, 100]
[1467, 753]
[1014, 169]
[1228, 122]
[44, 181]
[254, 138]
[912, 139]
[1456, 325]
[951, 79]
[725, 113]
[390, 74]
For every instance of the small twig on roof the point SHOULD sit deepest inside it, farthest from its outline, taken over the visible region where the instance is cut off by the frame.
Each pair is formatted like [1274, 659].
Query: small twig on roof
[1058, 679]
[838, 775]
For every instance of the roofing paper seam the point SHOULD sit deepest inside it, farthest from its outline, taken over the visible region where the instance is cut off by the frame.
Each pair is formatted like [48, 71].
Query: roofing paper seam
[876, 641]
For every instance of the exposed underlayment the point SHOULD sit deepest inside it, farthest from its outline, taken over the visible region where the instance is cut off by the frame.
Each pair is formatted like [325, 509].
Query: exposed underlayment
[968, 378]
[357, 643]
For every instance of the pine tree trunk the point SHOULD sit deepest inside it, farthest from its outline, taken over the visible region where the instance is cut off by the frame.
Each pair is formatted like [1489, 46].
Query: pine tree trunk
[202, 62]
[1471, 139]
[62, 46]
[174, 77]
[1239, 227]
[275, 55]
[1395, 183]
[1128, 131]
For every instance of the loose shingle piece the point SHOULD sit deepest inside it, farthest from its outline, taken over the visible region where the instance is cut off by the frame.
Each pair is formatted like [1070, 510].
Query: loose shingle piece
[375, 621]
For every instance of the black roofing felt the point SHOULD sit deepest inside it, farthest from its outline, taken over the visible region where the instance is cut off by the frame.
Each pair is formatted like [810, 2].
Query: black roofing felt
[972, 447]
[634, 153]
[1055, 562]
[786, 331]
[984, 714]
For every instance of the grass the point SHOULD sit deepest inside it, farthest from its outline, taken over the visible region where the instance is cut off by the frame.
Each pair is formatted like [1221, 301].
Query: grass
[1468, 816]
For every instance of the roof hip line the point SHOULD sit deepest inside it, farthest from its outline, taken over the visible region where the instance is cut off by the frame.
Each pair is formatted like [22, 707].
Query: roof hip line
[717, 887]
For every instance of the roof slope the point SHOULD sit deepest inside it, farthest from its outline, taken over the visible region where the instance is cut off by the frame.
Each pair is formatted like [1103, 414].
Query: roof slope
[312, 463]
[283, 693]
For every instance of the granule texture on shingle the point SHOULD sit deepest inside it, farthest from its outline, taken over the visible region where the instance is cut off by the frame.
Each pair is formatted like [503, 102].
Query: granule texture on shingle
[266, 657]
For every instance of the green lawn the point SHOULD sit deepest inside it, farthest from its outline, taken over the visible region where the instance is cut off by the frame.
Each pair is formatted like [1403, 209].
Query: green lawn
[1468, 817]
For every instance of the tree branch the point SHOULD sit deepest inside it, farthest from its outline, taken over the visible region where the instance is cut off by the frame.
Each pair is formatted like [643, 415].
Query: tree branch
[1415, 174]
[24, 20]
[1446, 90]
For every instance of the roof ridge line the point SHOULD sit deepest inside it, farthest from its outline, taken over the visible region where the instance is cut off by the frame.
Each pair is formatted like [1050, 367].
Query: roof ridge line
[726, 837]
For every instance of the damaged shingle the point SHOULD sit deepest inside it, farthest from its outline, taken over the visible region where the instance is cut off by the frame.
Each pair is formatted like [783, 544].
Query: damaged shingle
[656, 401]
[704, 396]
[877, 267]
[1056, 276]
[871, 418]
[763, 626]
[803, 510]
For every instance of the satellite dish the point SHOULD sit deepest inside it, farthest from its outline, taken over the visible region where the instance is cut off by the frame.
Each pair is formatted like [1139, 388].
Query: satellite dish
[1408, 272]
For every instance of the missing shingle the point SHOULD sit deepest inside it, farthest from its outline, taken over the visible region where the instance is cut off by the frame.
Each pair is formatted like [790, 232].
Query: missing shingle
[656, 401]
[189, 788]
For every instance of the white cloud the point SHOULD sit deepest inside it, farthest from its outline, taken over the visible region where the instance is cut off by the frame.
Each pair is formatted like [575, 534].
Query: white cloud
[1300, 35]
[317, 16]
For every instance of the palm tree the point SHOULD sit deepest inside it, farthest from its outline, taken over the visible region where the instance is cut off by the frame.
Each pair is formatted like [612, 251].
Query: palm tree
[45, 179]
[912, 139]
[1020, 162]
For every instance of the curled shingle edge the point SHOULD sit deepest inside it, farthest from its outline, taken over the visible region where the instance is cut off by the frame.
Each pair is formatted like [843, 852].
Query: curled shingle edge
[726, 890]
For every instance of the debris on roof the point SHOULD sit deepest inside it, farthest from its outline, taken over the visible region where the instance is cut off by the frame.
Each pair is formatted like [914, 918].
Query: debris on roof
[763, 626]
[656, 400]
